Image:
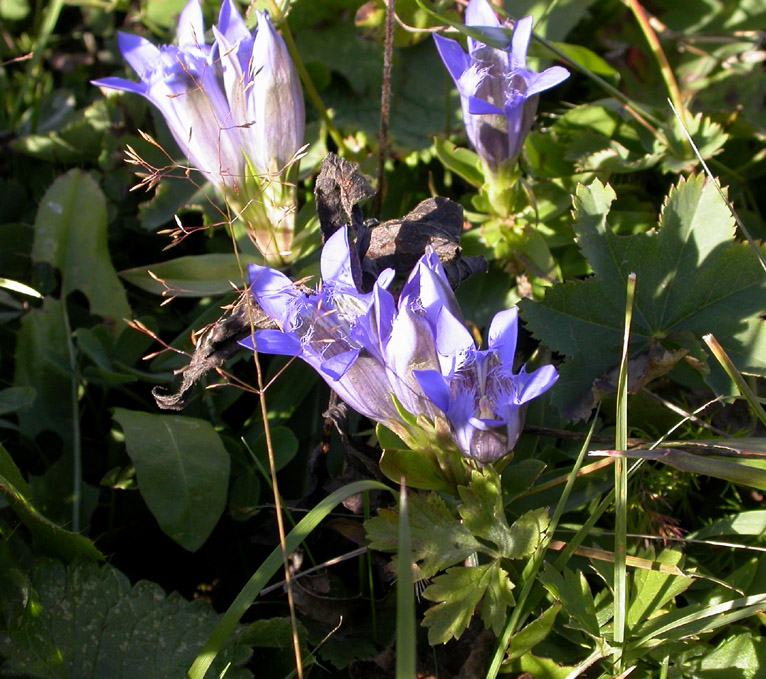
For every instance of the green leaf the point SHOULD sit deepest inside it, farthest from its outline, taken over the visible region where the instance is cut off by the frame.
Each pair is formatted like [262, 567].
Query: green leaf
[16, 398]
[193, 276]
[527, 533]
[70, 234]
[55, 540]
[439, 540]
[79, 140]
[86, 621]
[742, 523]
[497, 599]
[580, 55]
[182, 469]
[691, 278]
[742, 655]
[540, 668]
[268, 568]
[42, 364]
[462, 162]
[458, 592]
[653, 589]
[284, 444]
[483, 512]
[421, 471]
[519, 477]
[573, 591]
[536, 631]
[14, 10]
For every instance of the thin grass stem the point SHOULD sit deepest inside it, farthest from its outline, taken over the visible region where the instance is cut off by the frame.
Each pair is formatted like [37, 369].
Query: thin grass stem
[621, 485]
[405, 595]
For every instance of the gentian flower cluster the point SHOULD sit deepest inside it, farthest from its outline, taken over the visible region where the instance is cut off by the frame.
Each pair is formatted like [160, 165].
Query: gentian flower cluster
[380, 354]
[498, 94]
[235, 107]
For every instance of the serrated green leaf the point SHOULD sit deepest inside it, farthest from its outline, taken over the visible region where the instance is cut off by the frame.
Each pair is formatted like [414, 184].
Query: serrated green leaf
[182, 470]
[439, 540]
[691, 277]
[573, 591]
[527, 533]
[497, 599]
[536, 631]
[70, 234]
[457, 593]
[483, 512]
[86, 621]
[653, 589]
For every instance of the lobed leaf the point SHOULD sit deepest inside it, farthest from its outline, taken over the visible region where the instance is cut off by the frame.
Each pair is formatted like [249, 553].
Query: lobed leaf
[691, 279]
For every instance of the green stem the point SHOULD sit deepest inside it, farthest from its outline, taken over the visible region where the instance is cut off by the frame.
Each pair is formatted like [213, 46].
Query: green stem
[76, 435]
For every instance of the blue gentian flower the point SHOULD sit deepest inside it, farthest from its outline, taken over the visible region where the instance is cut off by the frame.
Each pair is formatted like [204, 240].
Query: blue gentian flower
[406, 334]
[228, 103]
[497, 93]
[477, 389]
[335, 329]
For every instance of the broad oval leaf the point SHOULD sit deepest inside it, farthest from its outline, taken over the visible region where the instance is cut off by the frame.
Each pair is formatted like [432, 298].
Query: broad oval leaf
[182, 469]
[70, 234]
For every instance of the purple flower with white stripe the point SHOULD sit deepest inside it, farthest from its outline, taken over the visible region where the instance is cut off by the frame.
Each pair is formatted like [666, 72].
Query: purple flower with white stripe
[497, 92]
[236, 101]
[477, 389]
[335, 329]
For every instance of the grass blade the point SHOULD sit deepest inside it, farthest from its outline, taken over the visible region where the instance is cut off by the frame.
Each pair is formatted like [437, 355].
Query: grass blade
[621, 483]
[405, 600]
[270, 566]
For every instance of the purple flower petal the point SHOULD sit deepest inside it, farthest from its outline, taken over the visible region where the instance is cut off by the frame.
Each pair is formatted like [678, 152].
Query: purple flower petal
[534, 384]
[550, 77]
[480, 13]
[335, 263]
[275, 342]
[453, 56]
[453, 340]
[503, 334]
[231, 24]
[121, 84]
[435, 387]
[141, 55]
[337, 366]
[191, 25]
[522, 33]
[273, 291]
[480, 107]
